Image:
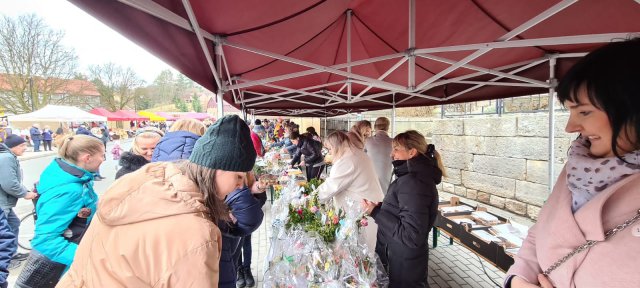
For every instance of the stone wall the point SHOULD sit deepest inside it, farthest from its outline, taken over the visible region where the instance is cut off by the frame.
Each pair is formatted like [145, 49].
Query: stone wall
[499, 161]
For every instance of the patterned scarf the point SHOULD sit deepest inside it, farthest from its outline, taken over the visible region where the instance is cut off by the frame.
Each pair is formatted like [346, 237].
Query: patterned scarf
[587, 176]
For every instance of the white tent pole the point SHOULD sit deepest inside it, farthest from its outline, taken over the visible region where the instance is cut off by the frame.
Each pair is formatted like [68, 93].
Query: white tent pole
[325, 125]
[412, 45]
[220, 103]
[552, 118]
[349, 53]
[393, 117]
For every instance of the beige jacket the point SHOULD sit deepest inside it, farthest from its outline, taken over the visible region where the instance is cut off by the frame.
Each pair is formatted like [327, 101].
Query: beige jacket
[150, 231]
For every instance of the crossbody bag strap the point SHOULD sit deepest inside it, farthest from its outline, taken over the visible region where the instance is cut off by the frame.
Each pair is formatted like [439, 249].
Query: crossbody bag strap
[591, 243]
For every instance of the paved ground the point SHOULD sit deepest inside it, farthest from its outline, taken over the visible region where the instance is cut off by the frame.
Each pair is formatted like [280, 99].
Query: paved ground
[449, 265]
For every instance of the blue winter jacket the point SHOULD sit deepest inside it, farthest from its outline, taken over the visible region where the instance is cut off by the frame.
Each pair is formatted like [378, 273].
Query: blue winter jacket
[247, 209]
[84, 131]
[7, 248]
[64, 189]
[11, 187]
[175, 146]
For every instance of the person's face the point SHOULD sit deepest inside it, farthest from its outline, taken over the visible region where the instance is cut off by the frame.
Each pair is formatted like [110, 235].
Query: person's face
[19, 150]
[593, 124]
[366, 132]
[399, 152]
[91, 162]
[295, 142]
[146, 146]
[228, 181]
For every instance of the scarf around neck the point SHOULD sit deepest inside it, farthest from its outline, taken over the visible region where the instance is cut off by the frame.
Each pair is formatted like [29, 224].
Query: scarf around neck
[587, 175]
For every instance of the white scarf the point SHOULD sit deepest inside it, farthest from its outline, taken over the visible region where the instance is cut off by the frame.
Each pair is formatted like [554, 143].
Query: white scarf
[587, 176]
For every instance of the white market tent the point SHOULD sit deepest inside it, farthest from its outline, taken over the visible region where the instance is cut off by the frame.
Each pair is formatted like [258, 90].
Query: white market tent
[56, 113]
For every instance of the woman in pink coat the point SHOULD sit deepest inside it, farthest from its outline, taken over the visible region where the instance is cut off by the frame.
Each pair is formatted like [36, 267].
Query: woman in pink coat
[598, 188]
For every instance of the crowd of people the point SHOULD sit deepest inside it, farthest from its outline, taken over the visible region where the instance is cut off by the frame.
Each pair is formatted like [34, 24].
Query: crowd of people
[185, 204]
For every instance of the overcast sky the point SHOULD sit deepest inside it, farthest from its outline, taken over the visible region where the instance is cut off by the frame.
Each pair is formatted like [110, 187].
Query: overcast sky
[94, 42]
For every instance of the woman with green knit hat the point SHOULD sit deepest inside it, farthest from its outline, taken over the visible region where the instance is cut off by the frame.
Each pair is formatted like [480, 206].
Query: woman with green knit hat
[157, 226]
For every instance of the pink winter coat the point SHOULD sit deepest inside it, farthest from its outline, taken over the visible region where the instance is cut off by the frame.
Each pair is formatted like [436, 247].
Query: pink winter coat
[613, 263]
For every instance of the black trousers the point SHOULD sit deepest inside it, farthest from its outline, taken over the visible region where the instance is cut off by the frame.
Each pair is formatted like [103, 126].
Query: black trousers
[314, 172]
[47, 145]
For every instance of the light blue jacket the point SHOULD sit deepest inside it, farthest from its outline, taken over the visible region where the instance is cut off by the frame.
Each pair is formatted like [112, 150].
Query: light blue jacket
[11, 187]
[64, 189]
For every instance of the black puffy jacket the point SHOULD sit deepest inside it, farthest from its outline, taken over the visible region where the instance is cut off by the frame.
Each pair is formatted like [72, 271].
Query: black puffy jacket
[405, 218]
[130, 162]
[311, 149]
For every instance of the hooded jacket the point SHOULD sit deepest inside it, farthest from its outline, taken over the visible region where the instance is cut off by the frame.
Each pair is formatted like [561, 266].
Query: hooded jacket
[405, 218]
[151, 230]
[130, 162]
[175, 146]
[11, 187]
[64, 189]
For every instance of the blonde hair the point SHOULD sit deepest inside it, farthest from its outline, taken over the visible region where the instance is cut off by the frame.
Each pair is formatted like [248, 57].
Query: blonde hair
[191, 125]
[339, 142]
[412, 139]
[359, 126]
[73, 146]
[147, 133]
[382, 123]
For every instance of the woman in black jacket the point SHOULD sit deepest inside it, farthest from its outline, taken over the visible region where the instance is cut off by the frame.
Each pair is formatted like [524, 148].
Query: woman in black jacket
[408, 211]
[312, 151]
[141, 151]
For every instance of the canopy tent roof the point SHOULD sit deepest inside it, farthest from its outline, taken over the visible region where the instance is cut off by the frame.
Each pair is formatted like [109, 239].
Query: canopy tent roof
[167, 116]
[56, 113]
[152, 116]
[329, 57]
[131, 115]
[111, 116]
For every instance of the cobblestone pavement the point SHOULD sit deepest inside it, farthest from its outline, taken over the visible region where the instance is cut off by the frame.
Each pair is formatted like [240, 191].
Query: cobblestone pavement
[449, 265]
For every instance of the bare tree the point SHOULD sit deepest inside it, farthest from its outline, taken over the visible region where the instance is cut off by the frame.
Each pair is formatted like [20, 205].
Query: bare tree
[33, 62]
[115, 84]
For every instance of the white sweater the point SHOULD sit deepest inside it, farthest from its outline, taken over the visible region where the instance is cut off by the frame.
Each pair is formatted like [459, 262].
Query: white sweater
[353, 176]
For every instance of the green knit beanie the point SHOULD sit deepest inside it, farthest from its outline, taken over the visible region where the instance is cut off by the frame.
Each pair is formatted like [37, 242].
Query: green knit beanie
[226, 145]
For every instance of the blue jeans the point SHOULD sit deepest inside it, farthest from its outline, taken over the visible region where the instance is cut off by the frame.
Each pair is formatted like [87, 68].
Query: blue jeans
[14, 225]
[36, 145]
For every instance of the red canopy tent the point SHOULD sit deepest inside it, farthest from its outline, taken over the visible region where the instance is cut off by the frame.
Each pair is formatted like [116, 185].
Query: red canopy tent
[168, 116]
[130, 115]
[111, 116]
[329, 57]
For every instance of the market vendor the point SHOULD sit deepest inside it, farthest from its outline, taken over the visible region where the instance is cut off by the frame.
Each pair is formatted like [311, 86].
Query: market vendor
[312, 151]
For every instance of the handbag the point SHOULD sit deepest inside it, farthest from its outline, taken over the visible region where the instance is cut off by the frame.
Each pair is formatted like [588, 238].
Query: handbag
[40, 272]
[591, 243]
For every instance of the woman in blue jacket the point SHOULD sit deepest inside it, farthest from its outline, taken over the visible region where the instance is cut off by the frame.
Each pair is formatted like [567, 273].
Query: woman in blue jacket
[67, 200]
[179, 141]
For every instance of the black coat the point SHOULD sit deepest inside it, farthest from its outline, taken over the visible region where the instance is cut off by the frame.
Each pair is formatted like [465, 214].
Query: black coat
[311, 149]
[247, 208]
[405, 218]
[130, 162]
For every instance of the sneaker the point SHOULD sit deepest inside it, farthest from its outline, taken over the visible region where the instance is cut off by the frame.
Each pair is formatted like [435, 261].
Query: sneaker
[240, 283]
[14, 264]
[20, 256]
[248, 278]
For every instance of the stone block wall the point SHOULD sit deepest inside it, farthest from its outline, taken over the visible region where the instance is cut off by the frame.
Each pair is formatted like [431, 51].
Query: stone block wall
[499, 161]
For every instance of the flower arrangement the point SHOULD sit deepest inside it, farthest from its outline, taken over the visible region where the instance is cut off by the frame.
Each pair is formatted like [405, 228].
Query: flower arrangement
[312, 216]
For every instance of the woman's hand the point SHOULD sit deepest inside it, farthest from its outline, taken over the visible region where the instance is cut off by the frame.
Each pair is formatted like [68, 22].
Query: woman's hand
[302, 163]
[368, 206]
[518, 282]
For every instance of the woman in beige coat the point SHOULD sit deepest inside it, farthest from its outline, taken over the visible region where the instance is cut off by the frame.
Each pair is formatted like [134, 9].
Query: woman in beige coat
[598, 188]
[156, 227]
[352, 176]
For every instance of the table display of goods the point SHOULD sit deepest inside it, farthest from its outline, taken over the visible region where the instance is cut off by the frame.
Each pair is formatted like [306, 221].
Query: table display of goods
[492, 237]
[316, 244]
